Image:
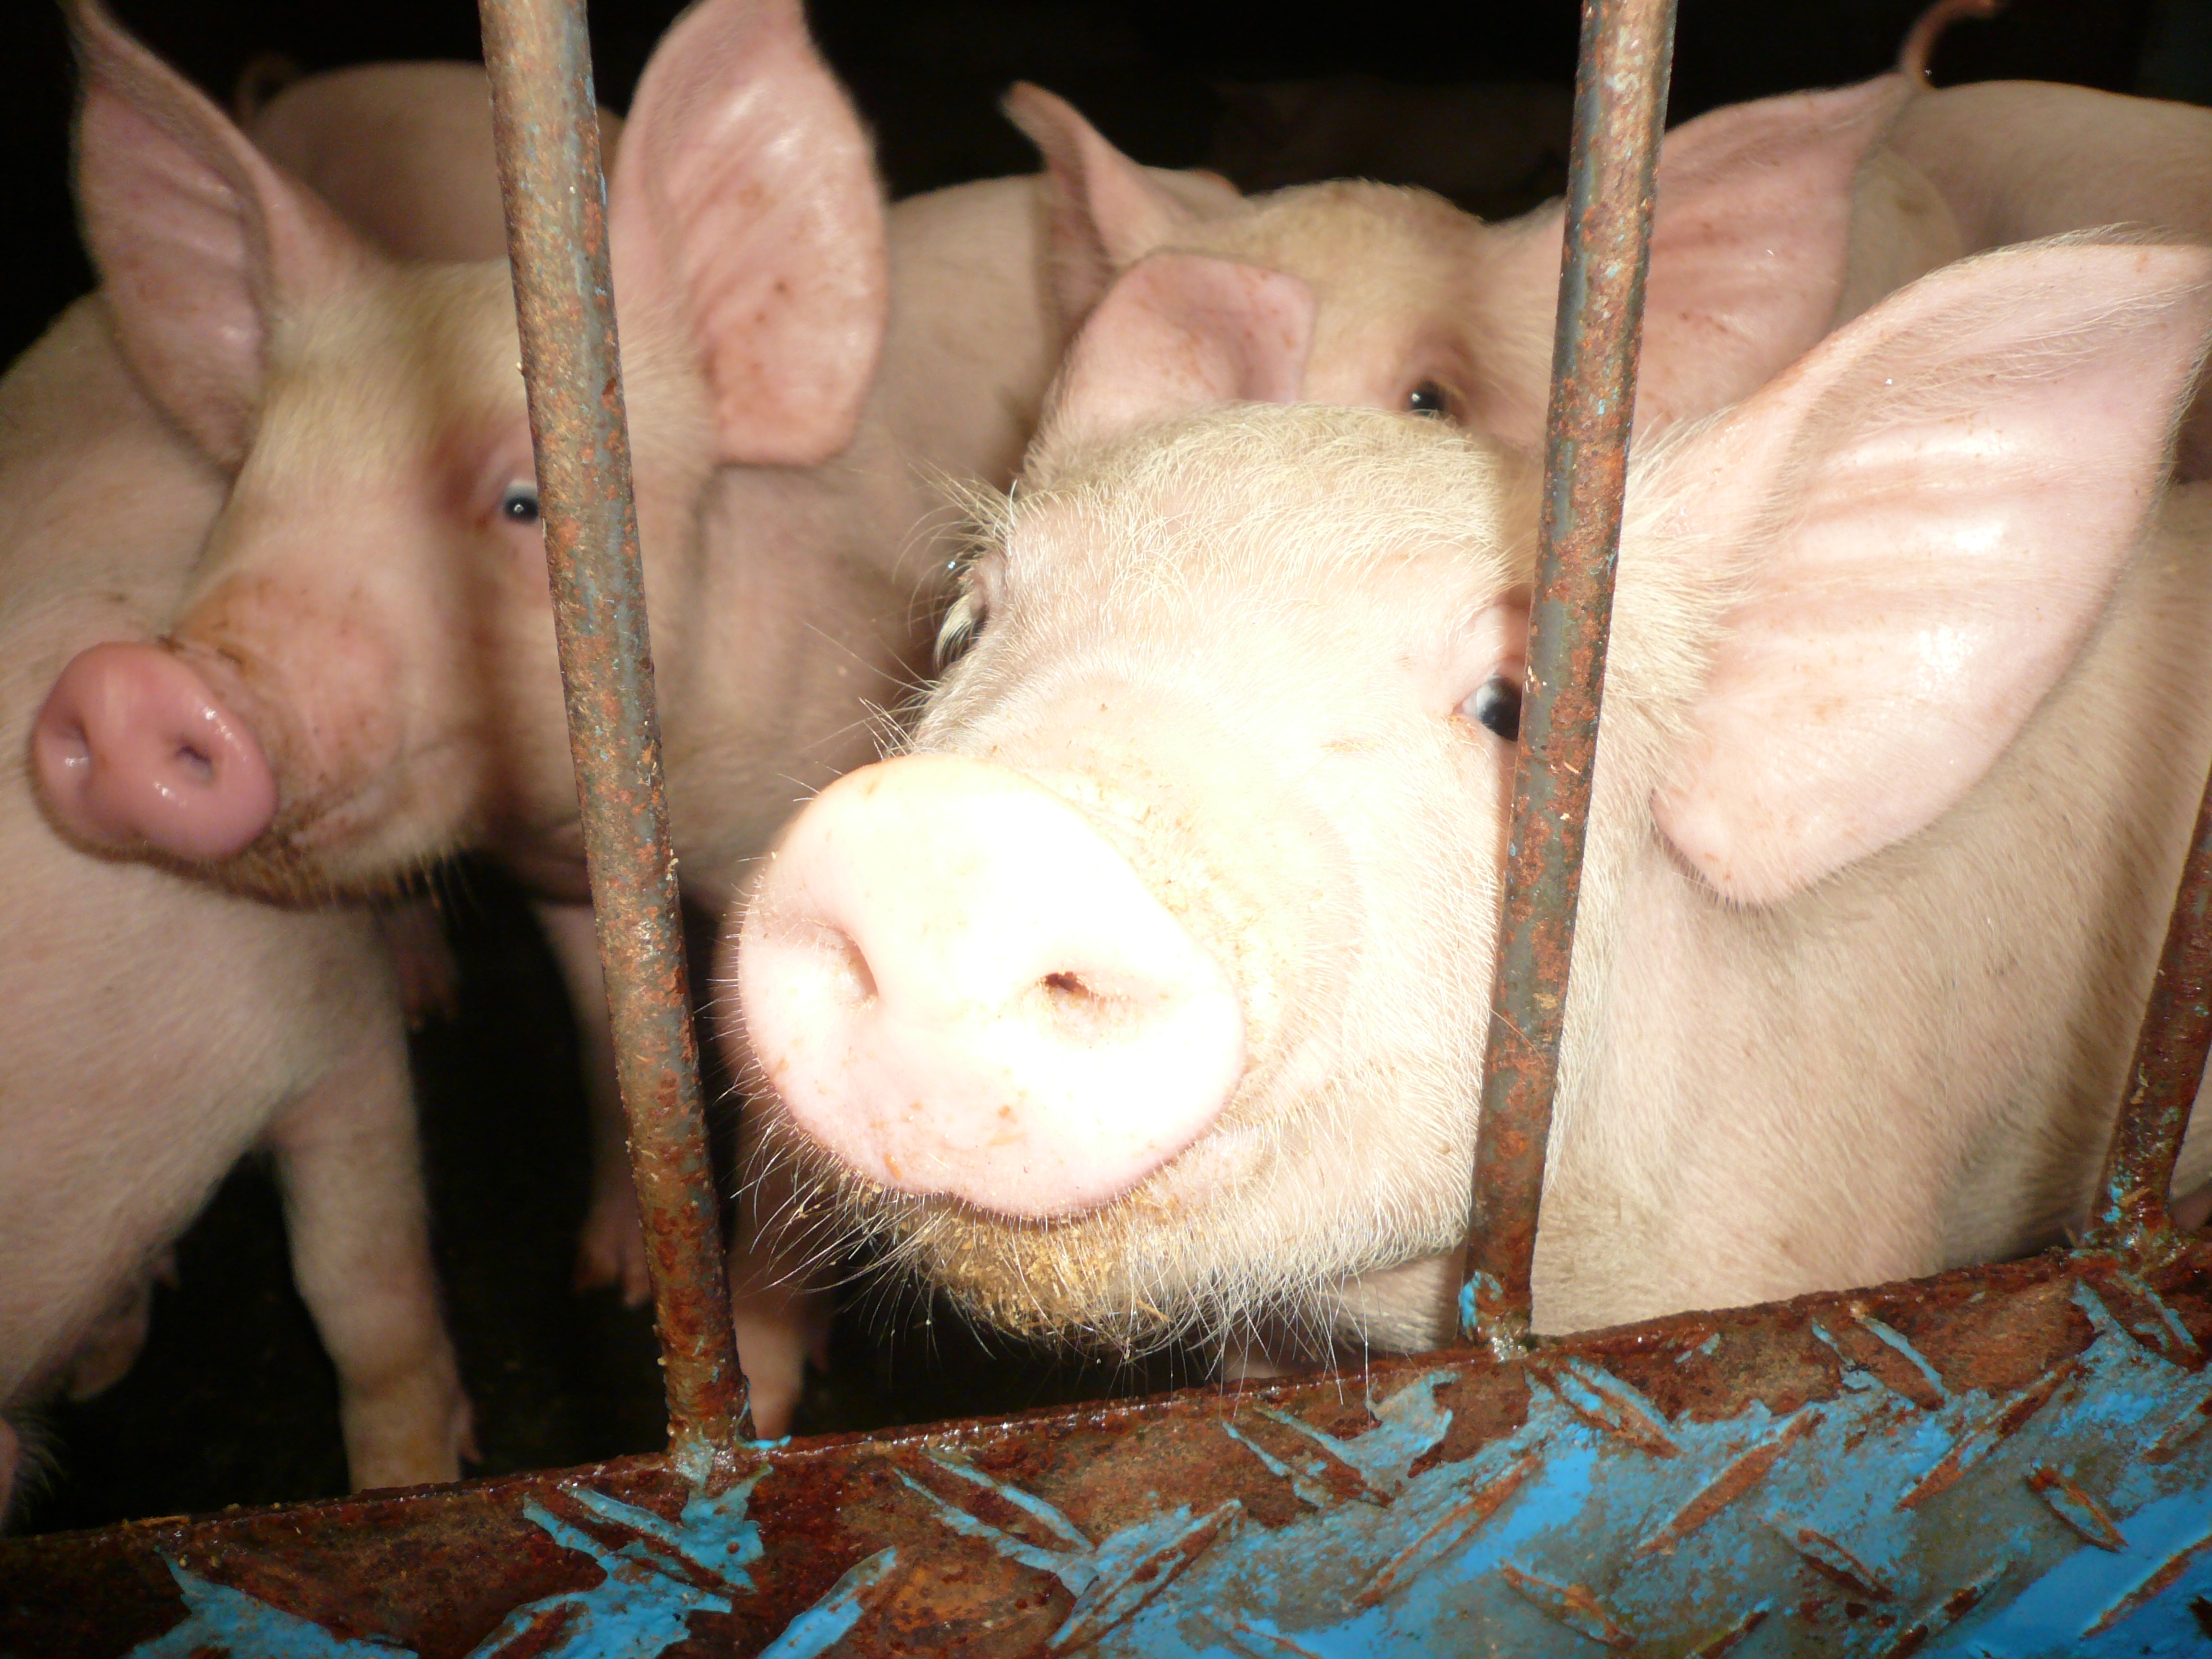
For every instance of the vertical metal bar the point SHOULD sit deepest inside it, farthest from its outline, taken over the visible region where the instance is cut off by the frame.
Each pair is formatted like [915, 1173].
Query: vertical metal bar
[1620, 105]
[2168, 1066]
[546, 119]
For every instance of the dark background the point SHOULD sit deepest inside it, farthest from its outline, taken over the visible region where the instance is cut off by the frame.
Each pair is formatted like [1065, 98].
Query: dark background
[232, 1401]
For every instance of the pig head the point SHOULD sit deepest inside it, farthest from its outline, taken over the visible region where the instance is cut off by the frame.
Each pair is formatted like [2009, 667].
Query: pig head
[1414, 304]
[362, 678]
[1147, 990]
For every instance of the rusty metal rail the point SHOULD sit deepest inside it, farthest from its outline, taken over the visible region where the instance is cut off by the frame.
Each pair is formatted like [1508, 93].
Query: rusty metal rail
[2168, 1069]
[546, 121]
[1620, 105]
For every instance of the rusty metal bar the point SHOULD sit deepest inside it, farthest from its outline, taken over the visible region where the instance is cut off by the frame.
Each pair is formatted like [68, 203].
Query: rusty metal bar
[545, 118]
[2168, 1066]
[1620, 106]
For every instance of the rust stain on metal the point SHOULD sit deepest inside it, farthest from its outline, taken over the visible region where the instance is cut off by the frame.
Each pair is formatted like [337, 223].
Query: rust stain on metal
[545, 120]
[2071, 1505]
[1729, 1640]
[1733, 1482]
[1470, 1515]
[1132, 1504]
[2168, 1066]
[2166, 1572]
[1833, 1558]
[1573, 1605]
[1621, 102]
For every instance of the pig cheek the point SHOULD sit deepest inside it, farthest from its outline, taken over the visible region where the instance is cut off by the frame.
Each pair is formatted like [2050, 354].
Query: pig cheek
[316, 673]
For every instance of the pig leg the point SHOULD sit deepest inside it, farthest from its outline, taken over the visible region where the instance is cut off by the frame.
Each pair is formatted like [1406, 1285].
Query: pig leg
[108, 1354]
[613, 1248]
[780, 1304]
[349, 1171]
[429, 978]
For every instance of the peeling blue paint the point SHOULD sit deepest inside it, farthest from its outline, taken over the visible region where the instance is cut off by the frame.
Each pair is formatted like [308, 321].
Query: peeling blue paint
[2071, 1515]
[829, 1621]
[220, 1620]
[652, 1584]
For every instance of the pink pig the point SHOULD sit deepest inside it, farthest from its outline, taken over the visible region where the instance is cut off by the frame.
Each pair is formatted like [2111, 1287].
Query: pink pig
[1146, 990]
[367, 621]
[158, 1028]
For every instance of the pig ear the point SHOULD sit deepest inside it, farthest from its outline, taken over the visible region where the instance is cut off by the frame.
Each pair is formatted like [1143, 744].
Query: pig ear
[745, 217]
[1929, 513]
[1104, 212]
[195, 234]
[1179, 332]
[1749, 239]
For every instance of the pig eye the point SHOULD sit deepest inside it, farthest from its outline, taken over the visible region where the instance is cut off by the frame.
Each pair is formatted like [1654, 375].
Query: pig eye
[1495, 705]
[1430, 400]
[517, 503]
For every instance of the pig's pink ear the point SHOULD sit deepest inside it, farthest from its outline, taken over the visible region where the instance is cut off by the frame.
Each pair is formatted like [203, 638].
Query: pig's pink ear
[1179, 332]
[196, 236]
[1928, 514]
[1104, 212]
[745, 217]
[1749, 239]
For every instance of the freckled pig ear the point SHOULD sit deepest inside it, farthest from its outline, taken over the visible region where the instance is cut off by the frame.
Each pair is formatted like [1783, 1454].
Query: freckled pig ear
[196, 236]
[1180, 332]
[1104, 212]
[1929, 514]
[1750, 236]
[745, 217]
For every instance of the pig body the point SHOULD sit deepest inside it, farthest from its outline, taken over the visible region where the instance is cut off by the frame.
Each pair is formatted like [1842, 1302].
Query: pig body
[404, 150]
[1495, 149]
[1902, 742]
[157, 1028]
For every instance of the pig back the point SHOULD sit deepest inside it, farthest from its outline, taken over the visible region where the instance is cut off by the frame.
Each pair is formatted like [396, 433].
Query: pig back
[103, 504]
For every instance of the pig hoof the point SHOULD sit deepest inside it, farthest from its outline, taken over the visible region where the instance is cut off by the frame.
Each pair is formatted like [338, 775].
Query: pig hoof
[781, 1325]
[400, 1441]
[613, 1248]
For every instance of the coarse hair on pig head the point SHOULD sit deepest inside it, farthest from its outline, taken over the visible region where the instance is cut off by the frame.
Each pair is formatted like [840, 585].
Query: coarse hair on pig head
[1146, 992]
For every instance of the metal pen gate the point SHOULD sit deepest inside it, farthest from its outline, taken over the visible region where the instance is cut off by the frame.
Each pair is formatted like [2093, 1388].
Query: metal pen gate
[2004, 1462]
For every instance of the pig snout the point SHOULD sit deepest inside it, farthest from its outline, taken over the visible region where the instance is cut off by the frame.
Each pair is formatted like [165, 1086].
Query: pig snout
[960, 987]
[133, 751]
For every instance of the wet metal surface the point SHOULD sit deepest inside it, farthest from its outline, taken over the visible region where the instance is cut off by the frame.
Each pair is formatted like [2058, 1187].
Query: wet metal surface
[544, 114]
[2169, 1062]
[1620, 104]
[2007, 1463]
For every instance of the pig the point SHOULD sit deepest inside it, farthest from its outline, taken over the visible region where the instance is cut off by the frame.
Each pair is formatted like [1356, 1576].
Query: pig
[2015, 160]
[1425, 308]
[404, 151]
[1775, 221]
[801, 369]
[1143, 991]
[158, 1028]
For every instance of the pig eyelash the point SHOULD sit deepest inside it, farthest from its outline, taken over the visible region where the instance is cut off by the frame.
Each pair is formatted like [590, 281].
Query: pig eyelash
[962, 623]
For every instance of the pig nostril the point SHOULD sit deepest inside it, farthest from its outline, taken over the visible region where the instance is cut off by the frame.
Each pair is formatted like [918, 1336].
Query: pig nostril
[854, 981]
[1066, 985]
[197, 762]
